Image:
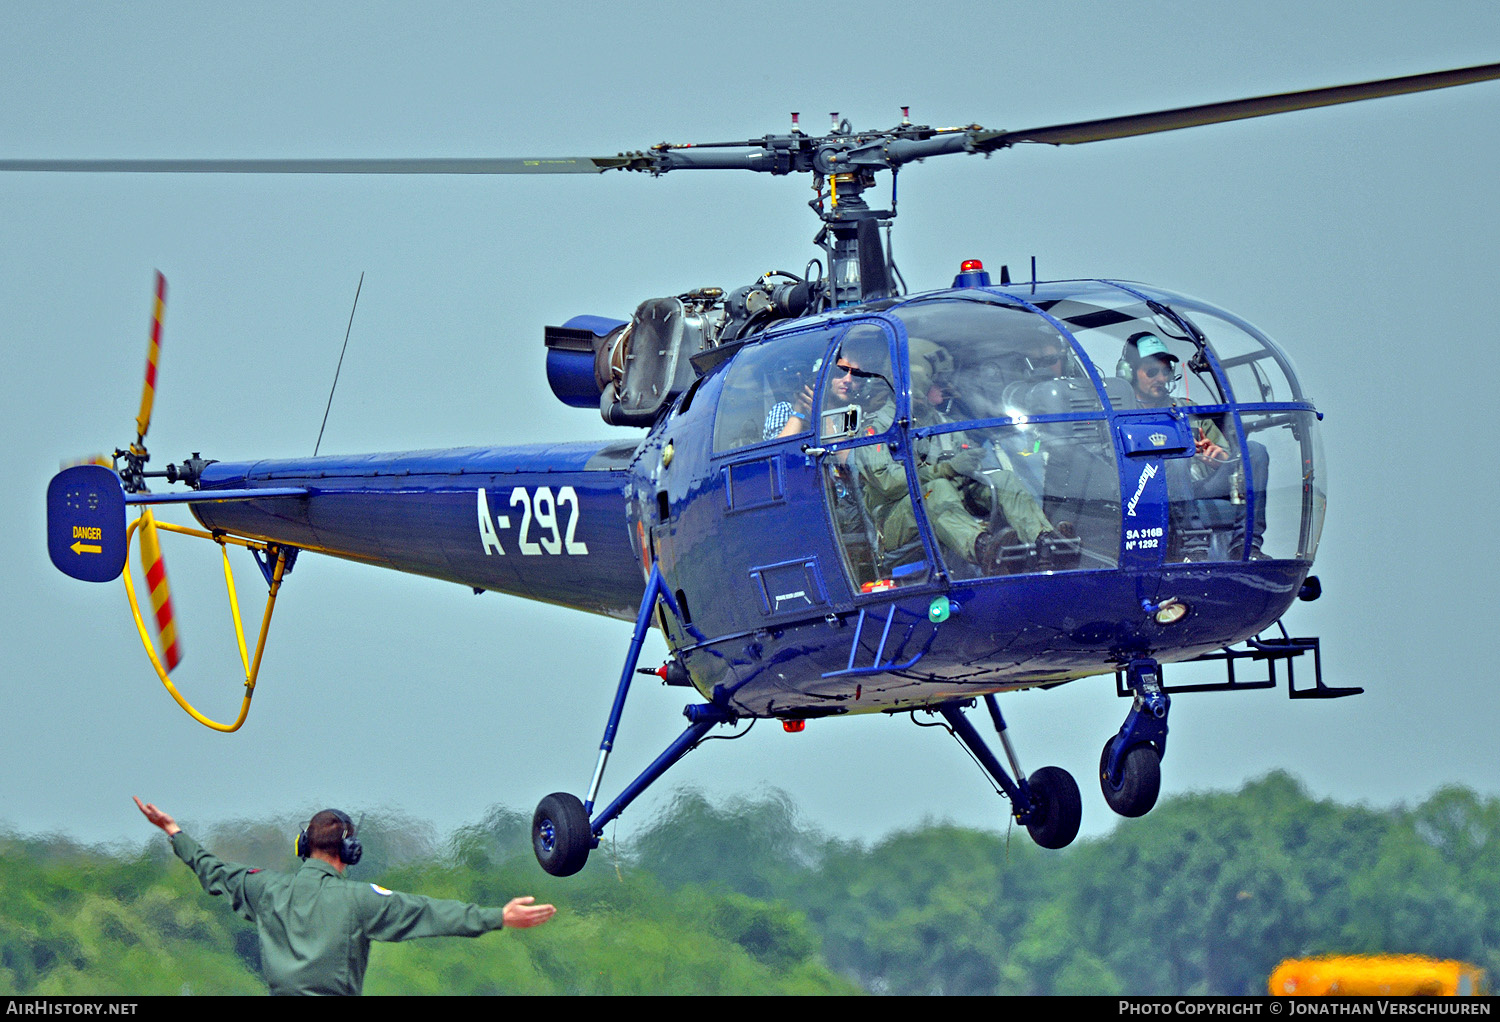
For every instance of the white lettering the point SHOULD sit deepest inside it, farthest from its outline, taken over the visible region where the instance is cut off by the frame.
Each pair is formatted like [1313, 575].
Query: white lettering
[546, 518]
[1142, 1006]
[1147, 474]
[520, 496]
[45, 1007]
[568, 495]
[487, 535]
[553, 535]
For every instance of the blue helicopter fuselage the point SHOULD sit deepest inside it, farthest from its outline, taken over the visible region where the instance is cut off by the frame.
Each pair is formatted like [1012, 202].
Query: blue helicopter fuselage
[544, 521]
[968, 517]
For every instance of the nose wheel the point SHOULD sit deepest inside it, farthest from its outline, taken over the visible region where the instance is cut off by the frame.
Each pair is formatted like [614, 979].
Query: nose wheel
[1139, 780]
[1130, 765]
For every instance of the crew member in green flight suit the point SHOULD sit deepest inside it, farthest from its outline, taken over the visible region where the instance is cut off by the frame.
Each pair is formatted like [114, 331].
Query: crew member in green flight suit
[315, 924]
[861, 376]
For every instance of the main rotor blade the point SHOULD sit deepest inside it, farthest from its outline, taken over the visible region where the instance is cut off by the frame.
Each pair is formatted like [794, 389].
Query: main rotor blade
[1233, 110]
[786, 154]
[425, 165]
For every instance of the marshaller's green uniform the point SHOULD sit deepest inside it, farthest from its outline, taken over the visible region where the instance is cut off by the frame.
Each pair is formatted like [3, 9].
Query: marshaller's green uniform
[316, 926]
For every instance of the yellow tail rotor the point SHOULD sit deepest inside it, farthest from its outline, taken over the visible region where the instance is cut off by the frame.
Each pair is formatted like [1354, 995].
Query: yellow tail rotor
[161, 596]
[133, 476]
[153, 356]
[88, 538]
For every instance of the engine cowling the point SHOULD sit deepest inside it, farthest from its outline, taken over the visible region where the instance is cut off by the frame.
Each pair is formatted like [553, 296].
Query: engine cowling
[631, 370]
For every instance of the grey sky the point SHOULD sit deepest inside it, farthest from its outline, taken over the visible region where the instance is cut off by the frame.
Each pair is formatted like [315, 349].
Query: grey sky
[1361, 237]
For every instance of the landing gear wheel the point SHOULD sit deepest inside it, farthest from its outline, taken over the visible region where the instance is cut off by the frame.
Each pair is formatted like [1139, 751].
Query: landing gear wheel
[1056, 807]
[1140, 780]
[560, 834]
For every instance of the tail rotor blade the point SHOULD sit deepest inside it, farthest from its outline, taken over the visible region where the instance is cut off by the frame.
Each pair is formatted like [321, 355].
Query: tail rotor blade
[87, 459]
[161, 596]
[153, 355]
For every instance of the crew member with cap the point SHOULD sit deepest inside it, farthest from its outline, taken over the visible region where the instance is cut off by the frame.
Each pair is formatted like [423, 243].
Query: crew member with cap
[315, 924]
[1153, 371]
[1216, 475]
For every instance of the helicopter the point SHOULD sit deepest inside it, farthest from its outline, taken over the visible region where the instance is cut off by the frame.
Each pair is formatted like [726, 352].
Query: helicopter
[785, 586]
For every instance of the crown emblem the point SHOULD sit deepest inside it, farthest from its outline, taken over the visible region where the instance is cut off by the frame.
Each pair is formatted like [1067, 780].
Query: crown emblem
[1157, 439]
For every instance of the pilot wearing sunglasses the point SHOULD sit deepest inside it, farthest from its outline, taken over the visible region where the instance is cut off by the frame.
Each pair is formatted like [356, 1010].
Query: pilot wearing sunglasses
[1216, 477]
[1153, 374]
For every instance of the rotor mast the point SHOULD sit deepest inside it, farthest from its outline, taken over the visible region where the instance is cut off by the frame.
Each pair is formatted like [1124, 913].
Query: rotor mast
[846, 162]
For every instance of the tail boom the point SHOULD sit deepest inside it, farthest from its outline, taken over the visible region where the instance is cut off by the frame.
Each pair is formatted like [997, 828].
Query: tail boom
[546, 522]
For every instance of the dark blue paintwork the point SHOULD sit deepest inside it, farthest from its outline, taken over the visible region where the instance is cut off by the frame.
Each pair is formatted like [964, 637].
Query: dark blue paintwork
[86, 523]
[419, 512]
[570, 372]
[746, 525]
[746, 545]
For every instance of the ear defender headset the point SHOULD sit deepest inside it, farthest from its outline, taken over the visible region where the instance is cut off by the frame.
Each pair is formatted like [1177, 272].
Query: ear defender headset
[350, 850]
[1131, 357]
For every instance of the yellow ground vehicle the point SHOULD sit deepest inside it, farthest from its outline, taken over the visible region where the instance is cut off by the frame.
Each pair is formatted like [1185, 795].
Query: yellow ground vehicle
[1377, 976]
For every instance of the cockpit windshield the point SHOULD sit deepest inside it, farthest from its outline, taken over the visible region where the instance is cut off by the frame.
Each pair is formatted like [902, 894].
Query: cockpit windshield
[987, 358]
[1014, 402]
[1108, 321]
[1078, 425]
[1011, 441]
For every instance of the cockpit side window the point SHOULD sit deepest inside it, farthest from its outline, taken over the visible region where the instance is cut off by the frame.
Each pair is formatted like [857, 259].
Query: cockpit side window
[859, 393]
[768, 390]
[1008, 499]
[865, 479]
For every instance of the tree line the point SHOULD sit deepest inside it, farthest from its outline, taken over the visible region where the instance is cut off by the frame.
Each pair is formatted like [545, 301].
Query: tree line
[1203, 896]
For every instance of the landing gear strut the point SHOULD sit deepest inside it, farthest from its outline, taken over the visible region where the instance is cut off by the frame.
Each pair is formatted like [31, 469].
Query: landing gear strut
[1048, 804]
[1130, 765]
[562, 832]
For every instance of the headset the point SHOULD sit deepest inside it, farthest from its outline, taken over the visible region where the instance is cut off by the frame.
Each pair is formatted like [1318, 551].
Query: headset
[1131, 357]
[350, 850]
